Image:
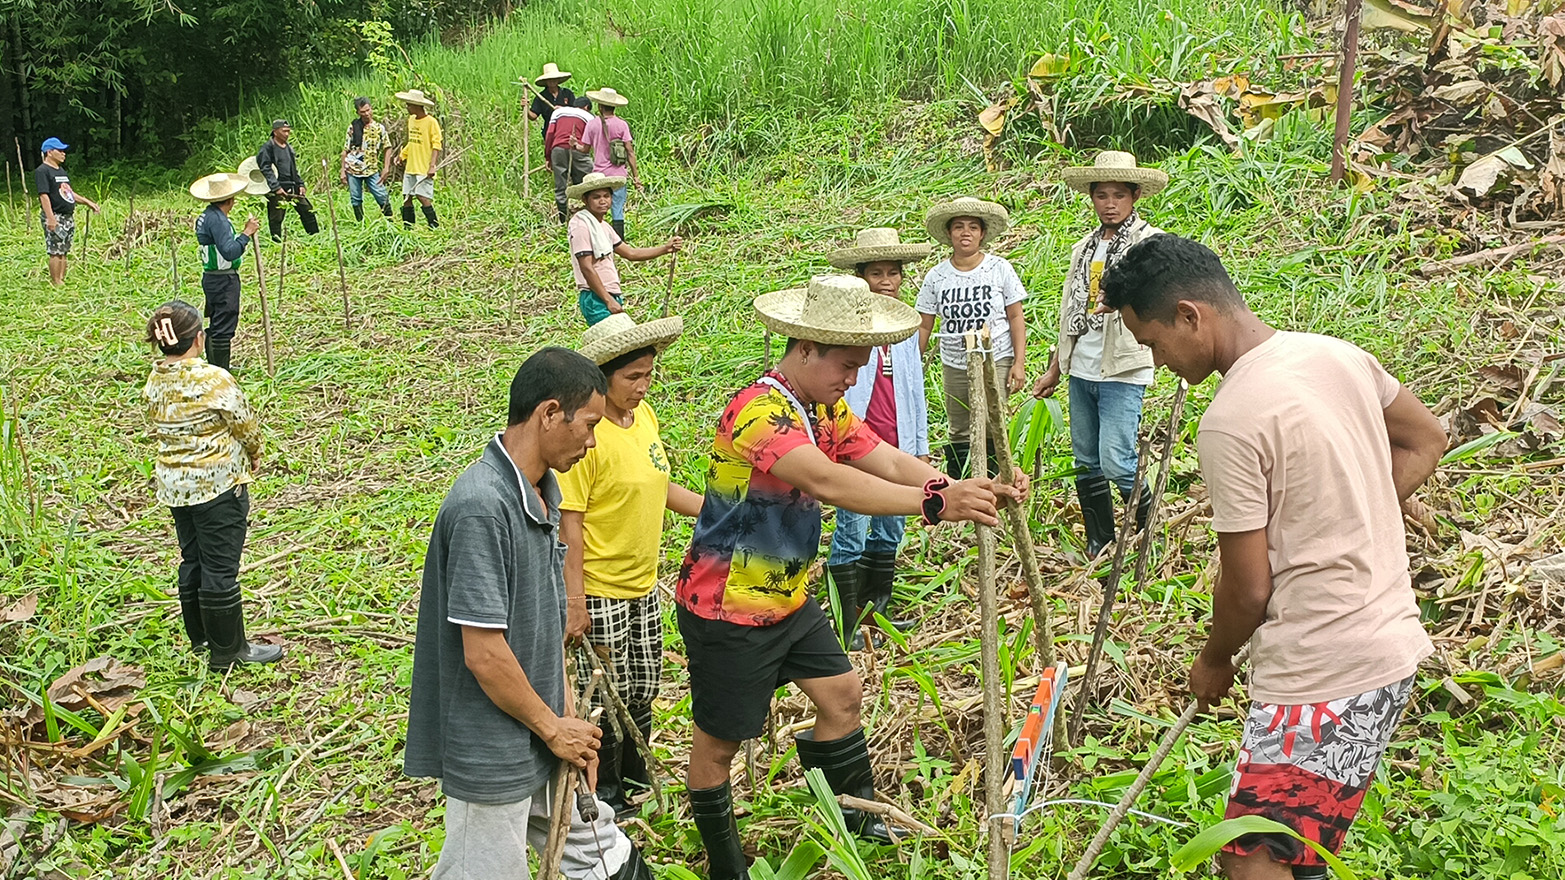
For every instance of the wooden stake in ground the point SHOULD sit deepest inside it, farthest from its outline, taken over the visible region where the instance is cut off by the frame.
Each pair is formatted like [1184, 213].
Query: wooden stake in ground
[266, 320]
[564, 775]
[527, 157]
[668, 291]
[173, 262]
[282, 260]
[87, 234]
[342, 274]
[1350, 55]
[766, 348]
[10, 200]
[997, 761]
[130, 219]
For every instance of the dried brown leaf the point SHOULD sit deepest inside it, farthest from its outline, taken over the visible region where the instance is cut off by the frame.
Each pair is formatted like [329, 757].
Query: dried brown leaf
[107, 681]
[1508, 377]
[20, 610]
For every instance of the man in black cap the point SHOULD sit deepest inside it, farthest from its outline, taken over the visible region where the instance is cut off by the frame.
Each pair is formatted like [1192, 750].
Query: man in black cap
[281, 168]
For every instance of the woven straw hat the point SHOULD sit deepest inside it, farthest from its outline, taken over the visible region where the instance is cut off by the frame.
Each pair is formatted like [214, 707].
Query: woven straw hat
[415, 96]
[1116, 166]
[618, 334]
[996, 218]
[837, 310]
[876, 244]
[552, 72]
[251, 171]
[593, 181]
[219, 187]
[607, 96]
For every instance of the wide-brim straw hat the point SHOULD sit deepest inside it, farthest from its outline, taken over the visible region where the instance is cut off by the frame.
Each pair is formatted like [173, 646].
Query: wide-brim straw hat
[552, 73]
[256, 179]
[219, 187]
[875, 245]
[837, 310]
[620, 334]
[594, 180]
[996, 218]
[1117, 167]
[607, 96]
[415, 96]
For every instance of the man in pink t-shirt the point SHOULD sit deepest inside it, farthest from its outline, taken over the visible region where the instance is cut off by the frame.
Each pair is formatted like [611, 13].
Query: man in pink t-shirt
[608, 138]
[1308, 449]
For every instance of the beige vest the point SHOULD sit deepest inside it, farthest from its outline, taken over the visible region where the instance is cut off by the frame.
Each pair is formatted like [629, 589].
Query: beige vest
[1121, 352]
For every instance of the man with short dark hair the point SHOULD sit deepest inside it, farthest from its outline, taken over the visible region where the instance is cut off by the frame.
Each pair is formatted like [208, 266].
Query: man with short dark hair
[490, 714]
[365, 151]
[784, 445]
[58, 202]
[1307, 449]
[278, 162]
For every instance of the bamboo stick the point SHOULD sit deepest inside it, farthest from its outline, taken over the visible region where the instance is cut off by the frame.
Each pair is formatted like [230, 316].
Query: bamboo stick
[632, 732]
[560, 818]
[668, 291]
[527, 157]
[342, 274]
[173, 262]
[1015, 516]
[1000, 828]
[282, 260]
[266, 320]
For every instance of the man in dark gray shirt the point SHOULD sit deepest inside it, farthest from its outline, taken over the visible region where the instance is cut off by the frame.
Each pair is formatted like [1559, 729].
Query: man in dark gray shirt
[489, 707]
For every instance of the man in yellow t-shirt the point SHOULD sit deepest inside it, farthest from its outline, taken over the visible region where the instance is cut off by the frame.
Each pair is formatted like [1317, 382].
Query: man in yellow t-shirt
[420, 157]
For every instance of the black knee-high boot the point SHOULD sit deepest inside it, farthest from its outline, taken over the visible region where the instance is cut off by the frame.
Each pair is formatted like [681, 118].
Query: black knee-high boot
[713, 809]
[619, 227]
[879, 571]
[225, 632]
[956, 460]
[407, 214]
[358, 213]
[1097, 511]
[1143, 506]
[610, 789]
[635, 771]
[429, 216]
[845, 763]
[219, 352]
[847, 578]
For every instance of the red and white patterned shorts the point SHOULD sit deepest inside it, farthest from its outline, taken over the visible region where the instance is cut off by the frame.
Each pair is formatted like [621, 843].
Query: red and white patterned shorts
[1308, 767]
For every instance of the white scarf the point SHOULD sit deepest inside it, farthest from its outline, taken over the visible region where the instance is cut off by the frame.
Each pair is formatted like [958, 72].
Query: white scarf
[598, 234]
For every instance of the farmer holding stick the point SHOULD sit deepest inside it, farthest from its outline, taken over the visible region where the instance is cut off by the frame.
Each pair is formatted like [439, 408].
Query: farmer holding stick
[548, 94]
[489, 714]
[57, 201]
[1307, 449]
[784, 445]
[280, 165]
[420, 157]
[594, 244]
[612, 515]
[221, 251]
[566, 126]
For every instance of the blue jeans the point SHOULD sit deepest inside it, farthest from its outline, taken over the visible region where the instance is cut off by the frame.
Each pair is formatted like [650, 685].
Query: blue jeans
[617, 207]
[1104, 419]
[858, 533]
[356, 185]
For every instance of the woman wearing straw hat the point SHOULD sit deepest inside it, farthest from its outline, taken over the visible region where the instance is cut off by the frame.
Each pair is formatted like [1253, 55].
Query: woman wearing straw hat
[971, 291]
[548, 94]
[1109, 371]
[613, 151]
[611, 512]
[784, 445]
[420, 157]
[221, 251]
[209, 445]
[889, 396]
[593, 245]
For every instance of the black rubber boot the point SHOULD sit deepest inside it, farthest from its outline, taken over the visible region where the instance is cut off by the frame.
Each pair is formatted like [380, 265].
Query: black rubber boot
[610, 789]
[408, 217]
[1310, 872]
[956, 460]
[1143, 507]
[635, 775]
[219, 352]
[635, 867]
[225, 632]
[619, 227]
[358, 213]
[429, 216]
[713, 809]
[846, 579]
[385, 209]
[190, 612]
[564, 211]
[879, 571]
[845, 763]
[308, 220]
[1097, 511]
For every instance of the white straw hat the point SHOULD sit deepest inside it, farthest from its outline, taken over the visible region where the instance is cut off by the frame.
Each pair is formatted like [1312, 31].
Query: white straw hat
[837, 310]
[608, 96]
[219, 187]
[594, 180]
[415, 96]
[1118, 167]
[551, 71]
[874, 245]
[619, 334]
[251, 171]
[996, 218]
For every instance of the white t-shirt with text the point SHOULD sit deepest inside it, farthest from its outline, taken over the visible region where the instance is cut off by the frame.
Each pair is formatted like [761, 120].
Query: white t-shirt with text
[969, 301]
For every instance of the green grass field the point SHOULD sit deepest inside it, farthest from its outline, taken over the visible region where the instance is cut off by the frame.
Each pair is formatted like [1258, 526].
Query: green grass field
[771, 131]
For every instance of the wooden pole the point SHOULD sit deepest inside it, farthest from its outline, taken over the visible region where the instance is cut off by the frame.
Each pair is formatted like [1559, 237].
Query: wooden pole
[1350, 54]
[560, 819]
[21, 167]
[766, 348]
[1015, 516]
[266, 320]
[173, 262]
[668, 290]
[282, 260]
[342, 274]
[10, 200]
[130, 219]
[87, 235]
[996, 761]
[527, 157]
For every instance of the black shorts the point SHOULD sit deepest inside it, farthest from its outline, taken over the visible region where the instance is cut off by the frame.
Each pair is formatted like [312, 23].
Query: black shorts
[735, 669]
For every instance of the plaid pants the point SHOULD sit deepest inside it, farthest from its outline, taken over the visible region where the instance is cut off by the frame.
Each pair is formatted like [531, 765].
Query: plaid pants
[630, 631]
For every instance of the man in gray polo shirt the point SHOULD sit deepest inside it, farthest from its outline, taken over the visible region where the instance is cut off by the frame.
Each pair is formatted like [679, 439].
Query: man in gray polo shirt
[488, 711]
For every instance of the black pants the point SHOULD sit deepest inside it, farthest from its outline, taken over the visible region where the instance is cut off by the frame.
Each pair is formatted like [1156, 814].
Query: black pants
[222, 304]
[211, 540]
[277, 209]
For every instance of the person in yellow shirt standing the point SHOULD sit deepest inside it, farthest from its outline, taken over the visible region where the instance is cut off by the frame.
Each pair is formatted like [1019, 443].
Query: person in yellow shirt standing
[420, 157]
[609, 503]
